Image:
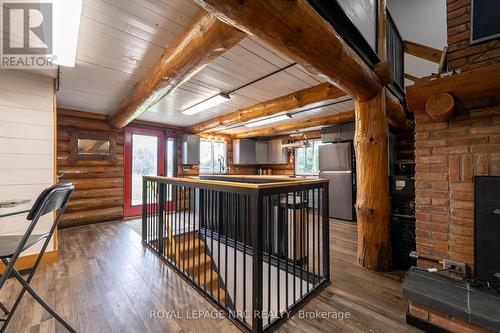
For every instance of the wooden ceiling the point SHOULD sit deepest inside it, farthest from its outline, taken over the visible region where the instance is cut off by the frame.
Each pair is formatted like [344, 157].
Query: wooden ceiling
[120, 40]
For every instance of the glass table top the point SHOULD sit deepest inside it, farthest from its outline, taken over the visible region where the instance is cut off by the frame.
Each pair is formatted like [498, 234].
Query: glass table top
[15, 207]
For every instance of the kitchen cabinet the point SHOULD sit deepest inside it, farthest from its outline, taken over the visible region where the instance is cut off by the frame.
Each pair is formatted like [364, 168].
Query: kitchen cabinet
[342, 132]
[190, 149]
[261, 148]
[276, 154]
[244, 151]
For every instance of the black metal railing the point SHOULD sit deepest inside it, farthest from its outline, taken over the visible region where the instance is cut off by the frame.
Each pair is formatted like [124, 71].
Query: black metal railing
[395, 54]
[256, 252]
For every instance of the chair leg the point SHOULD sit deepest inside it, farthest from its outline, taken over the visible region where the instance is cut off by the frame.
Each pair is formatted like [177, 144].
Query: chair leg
[47, 307]
[4, 309]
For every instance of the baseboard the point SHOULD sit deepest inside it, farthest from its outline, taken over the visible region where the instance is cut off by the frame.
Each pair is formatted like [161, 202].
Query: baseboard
[27, 261]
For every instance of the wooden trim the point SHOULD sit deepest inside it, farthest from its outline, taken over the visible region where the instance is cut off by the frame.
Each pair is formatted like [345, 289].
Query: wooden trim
[444, 59]
[203, 40]
[103, 117]
[299, 32]
[76, 134]
[55, 179]
[81, 114]
[298, 99]
[411, 77]
[466, 86]
[150, 124]
[27, 261]
[280, 182]
[382, 31]
[336, 118]
[423, 51]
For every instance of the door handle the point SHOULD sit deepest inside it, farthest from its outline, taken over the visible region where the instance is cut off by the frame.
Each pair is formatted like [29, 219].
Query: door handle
[496, 211]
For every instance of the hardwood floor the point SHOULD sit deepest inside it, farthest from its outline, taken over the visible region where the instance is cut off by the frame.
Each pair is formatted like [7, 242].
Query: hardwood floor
[105, 281]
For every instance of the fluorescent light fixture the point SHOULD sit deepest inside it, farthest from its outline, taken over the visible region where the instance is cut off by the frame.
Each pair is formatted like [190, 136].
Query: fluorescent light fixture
[207, 104]
[66, 25]
[268, 120]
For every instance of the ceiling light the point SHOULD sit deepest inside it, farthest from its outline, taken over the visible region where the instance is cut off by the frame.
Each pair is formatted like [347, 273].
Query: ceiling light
[268, 120]
[207, 104]
[66, 26]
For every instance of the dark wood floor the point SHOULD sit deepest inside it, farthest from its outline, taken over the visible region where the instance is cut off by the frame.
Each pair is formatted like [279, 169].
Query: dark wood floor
[105, 281]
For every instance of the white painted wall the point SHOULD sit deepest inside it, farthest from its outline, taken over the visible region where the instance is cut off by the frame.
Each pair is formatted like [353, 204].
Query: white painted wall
[26, 144]
[423, 22]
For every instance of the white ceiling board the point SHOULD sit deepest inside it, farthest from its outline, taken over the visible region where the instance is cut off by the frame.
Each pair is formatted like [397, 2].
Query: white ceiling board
[422, 22]
[341, 105]
[120, 40]
[244, 63]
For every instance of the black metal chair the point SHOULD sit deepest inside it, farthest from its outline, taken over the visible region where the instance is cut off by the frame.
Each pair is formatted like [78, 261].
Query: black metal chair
[54, 198]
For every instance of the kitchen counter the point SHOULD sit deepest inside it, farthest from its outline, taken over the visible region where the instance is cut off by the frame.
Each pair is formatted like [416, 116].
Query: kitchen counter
[244, 181]
[268, 180]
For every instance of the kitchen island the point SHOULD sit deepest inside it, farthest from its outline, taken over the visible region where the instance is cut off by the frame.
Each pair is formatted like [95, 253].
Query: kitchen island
[255, 246]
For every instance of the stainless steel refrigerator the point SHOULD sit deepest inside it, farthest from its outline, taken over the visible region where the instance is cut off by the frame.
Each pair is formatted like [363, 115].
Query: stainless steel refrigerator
[335, 163]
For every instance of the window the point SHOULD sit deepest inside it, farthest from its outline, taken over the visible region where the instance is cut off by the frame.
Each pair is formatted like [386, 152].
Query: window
[144, 163]
[170, 157]
[213, 157]
[307, 159]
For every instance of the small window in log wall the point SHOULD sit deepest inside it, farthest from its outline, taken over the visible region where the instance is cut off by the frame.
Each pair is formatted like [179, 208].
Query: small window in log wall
[92, 145]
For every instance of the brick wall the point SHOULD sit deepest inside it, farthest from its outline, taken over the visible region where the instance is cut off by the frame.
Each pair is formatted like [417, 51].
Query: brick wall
[460, 53]
[443, 320]
[448, 155]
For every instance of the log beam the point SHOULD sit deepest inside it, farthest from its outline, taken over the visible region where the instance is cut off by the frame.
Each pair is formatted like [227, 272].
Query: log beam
[423, 51]
[384, 72]
[411, 77]
[299, 125]
[296, 30]
[372, 201]
[466, 86]
[396, 115]
[440, 107]
[203, 40]
[321, 92]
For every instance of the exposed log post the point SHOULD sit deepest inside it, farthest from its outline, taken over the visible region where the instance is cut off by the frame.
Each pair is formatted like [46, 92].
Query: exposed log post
[298, 99]
[295, 29]
[372, 201]
[299, 125]
[440, 107]
[203, 40]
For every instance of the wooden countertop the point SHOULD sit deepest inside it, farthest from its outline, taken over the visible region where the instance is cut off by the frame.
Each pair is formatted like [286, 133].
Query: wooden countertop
[274, 181]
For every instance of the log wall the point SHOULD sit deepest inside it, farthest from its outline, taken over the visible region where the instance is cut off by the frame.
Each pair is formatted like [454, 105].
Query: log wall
[98, 184]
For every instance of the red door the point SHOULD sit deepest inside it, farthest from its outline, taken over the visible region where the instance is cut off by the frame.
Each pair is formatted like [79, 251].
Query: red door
[144, 156]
